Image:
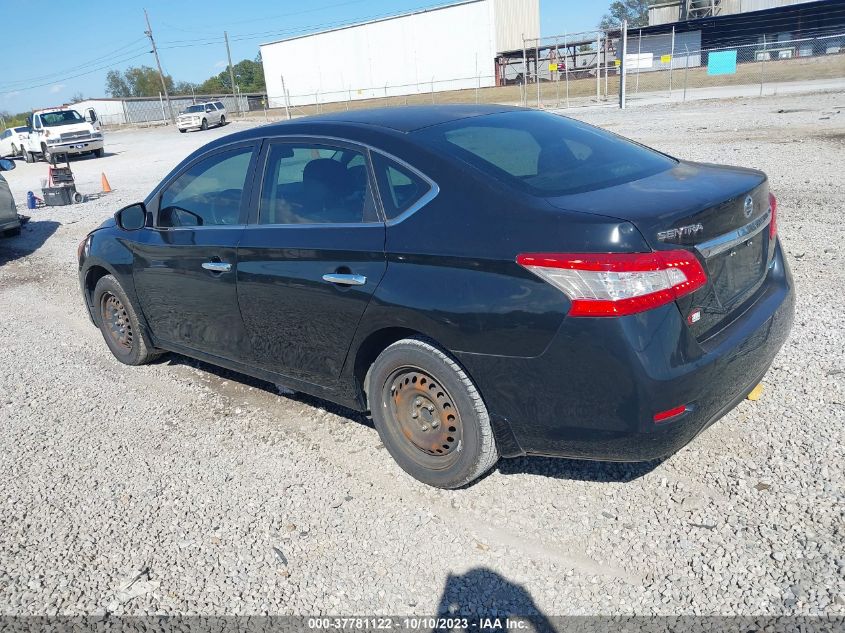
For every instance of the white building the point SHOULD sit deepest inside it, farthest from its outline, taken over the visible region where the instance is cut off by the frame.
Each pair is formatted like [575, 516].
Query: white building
[451, 47]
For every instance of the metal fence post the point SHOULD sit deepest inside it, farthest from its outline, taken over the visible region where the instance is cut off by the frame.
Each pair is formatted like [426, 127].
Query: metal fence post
[557, 70]
[566, 69]
[671, 62]
[524, 72]
[763, 63]
[163, 115]
[639, 50]
[686, 68]
[537, 68]
[598, 68]
[606, 68]
[287, 97]
[622, 66]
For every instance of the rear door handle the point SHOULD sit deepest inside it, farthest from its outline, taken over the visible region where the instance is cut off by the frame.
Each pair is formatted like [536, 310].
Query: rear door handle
[217, 267]
[345, 279]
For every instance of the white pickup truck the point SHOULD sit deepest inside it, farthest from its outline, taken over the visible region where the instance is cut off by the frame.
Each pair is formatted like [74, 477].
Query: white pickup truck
[63, 130]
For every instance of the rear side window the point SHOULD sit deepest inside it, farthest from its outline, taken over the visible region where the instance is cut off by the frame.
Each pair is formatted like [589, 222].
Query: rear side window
[544, 154]
[400, 187]
[219, 105]
[209, 193]
[315, 184]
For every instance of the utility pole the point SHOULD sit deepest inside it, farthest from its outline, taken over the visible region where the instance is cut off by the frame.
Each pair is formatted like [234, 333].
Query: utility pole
[231, 73]
[149, 33]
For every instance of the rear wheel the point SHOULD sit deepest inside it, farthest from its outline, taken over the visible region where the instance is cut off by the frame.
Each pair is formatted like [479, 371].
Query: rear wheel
[430, 415]
[119, 324]
[204, 125]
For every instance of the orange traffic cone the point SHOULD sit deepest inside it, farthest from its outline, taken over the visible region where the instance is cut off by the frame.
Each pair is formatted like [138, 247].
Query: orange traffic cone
[105, 183]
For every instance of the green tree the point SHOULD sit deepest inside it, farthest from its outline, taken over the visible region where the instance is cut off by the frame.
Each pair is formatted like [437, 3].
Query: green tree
[635, 11]
[249, 77]
[140, 81]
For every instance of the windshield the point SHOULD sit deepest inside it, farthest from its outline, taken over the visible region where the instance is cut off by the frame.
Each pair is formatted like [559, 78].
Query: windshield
[544, 154]
[63, 117]
[195, 108]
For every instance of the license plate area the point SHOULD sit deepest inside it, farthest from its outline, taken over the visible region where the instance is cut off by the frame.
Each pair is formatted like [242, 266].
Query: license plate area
[738, 270]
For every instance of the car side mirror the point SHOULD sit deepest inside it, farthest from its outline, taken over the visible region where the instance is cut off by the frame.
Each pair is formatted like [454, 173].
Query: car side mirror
[133, 217]
[6, 164]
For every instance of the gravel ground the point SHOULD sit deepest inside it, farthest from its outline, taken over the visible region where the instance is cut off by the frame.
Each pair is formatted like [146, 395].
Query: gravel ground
[181, 488]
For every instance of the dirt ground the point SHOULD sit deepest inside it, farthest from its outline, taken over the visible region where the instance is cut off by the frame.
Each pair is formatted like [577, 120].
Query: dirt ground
[219, 496]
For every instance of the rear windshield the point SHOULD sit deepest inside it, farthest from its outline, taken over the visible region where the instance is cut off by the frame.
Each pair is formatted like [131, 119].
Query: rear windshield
[544, 154]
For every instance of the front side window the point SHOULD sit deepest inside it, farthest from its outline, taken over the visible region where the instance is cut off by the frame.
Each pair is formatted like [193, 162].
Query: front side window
[209, 193]
[400, 187]
[315, 184]
[544, 154]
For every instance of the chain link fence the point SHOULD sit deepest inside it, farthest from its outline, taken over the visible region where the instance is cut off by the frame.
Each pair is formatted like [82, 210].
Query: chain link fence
[564, 71]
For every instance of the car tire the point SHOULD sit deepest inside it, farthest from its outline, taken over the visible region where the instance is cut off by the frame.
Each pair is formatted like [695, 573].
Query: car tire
[204, 125]
[15, 150]
[182, 131]
[45, 153]
[98, 153]
[119, 324]
[12, 232]
[429, 414]
[28, 157]
[222, 120]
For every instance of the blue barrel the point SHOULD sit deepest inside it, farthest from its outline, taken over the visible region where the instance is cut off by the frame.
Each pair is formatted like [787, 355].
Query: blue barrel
[30, 200]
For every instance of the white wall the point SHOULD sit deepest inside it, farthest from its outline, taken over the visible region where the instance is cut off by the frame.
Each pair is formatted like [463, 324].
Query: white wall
[110, 112]
[392, 57]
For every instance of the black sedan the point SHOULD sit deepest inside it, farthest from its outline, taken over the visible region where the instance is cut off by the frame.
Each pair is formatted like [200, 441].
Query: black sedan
[485, 281]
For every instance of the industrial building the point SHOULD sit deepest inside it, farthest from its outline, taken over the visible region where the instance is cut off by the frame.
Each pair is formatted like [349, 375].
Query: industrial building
[682, 10]
[452, 47]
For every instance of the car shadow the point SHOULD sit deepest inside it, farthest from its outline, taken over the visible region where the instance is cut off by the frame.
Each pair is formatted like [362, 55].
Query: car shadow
[487, 599]
[32, 237]
[553, 467]
[268, 387]
[577, 469]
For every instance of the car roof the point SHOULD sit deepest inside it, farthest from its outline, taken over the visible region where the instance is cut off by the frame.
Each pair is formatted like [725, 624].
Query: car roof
[407, 118]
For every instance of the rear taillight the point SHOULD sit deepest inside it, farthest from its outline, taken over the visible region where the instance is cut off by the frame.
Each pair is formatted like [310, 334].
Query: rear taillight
[616, 284]
[773, 225]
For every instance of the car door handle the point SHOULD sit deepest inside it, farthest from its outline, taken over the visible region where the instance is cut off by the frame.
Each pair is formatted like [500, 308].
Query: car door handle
[345, 279]
[217, 267]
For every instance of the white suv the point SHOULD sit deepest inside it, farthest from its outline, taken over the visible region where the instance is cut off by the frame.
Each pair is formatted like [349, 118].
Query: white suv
[200, 115]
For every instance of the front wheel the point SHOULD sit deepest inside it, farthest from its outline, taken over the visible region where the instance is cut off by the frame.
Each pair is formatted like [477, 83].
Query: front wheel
[28, 156]
[15, 151]
[98, 153]
[429, 415]
[182, 130]
[119, 324]
[45, 152]
[222, 120]
[204, 125]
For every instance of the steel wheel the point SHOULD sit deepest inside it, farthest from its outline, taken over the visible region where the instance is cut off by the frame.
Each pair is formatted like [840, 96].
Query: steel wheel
[116, 322]
[425, 415]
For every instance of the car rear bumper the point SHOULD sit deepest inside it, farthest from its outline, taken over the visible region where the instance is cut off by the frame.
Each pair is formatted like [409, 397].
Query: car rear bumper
[595, 390]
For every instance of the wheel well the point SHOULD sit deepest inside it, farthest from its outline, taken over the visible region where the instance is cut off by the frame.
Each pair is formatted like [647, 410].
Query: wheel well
[94, 274]
[370, 349]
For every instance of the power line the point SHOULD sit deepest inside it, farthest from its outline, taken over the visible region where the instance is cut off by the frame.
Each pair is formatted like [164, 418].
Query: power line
[90, 72]
[59, 74]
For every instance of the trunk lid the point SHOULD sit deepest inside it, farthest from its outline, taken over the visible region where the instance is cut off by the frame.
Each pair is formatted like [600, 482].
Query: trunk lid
[720, 213]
